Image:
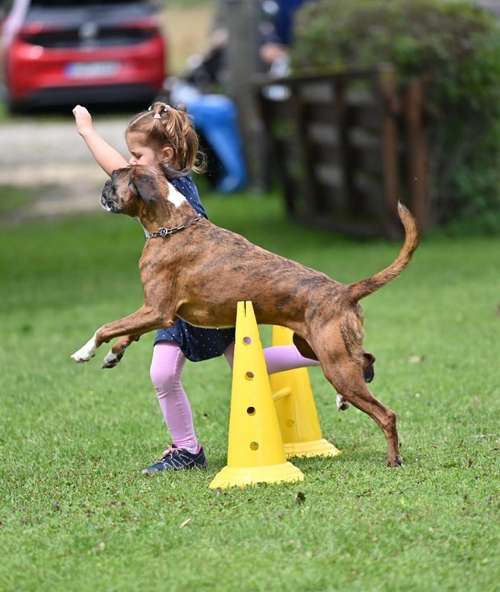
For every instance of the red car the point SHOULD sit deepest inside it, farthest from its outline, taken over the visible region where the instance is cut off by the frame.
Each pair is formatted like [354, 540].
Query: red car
[58, 52]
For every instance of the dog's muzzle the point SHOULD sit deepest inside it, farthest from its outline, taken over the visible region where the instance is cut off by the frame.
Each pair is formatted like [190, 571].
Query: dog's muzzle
[108, 201]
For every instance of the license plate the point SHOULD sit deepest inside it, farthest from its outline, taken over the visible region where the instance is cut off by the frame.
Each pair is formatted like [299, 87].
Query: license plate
[92, 69]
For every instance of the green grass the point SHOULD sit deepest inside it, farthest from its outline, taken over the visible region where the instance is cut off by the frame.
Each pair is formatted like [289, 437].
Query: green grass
[76, 514]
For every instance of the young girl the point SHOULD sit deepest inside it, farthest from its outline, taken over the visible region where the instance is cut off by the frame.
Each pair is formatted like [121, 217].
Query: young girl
[164, 137]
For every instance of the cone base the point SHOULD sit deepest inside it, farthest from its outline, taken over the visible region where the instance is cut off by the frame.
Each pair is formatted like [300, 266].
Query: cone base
[243, 476]
[313, 448]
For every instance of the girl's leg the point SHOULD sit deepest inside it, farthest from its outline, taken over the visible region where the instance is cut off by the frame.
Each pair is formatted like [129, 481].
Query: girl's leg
[278, 358]
[285, 357]
[166, 368]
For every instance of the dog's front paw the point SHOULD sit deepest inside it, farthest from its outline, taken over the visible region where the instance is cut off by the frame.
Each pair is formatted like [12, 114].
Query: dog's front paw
[82, 355]
[85, 353]
[111, 360]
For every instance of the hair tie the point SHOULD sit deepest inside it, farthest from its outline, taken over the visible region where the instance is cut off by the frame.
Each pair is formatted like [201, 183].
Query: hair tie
[159, 109]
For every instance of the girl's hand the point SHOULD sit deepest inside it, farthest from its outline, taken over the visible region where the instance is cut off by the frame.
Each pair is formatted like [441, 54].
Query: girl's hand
[83, 120]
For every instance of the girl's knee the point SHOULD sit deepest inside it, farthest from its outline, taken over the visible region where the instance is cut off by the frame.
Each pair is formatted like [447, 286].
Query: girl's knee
[161, 377]
[166, 367]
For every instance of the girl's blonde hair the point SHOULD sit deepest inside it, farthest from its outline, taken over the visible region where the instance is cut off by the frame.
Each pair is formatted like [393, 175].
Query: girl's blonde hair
[164, 126]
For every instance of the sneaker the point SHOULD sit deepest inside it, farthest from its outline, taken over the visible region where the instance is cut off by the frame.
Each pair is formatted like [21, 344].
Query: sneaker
[178, 459]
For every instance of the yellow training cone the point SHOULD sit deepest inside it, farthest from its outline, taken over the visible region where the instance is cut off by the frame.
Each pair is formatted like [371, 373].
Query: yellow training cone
[296, 408]
[255, 448]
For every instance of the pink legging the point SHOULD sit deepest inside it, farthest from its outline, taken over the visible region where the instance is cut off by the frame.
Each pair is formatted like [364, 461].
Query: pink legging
[166, 369]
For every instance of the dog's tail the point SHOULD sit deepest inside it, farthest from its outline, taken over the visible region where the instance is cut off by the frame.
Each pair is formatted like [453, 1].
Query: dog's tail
[363, 288]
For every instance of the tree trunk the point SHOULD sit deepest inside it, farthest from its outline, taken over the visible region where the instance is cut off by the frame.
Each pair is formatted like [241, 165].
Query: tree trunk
[242, 20]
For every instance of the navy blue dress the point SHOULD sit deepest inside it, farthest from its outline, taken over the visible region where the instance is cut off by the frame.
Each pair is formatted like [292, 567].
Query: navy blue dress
[197, 344]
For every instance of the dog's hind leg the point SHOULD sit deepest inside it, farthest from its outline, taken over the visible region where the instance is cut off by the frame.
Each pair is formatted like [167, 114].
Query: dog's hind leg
[346, 376]
[368, 376]
[341, 403]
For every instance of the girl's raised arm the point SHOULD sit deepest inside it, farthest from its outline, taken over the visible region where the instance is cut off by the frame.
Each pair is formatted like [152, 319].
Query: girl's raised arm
[106, 156]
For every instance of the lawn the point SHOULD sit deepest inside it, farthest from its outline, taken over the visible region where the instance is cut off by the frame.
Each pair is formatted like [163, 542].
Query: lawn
[76, 513]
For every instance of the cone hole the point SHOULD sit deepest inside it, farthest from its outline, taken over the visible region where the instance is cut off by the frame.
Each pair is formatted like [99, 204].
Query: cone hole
[251, 410]
[247, 340]
[254, 445]
[249, 375]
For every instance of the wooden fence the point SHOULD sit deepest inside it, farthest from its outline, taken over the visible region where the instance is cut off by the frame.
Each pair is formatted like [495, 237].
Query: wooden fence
[347, 147]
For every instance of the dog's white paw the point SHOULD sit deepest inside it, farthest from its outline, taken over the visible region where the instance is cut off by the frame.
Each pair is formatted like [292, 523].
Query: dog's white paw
[342, 404]
[85, 353]
[111, 360]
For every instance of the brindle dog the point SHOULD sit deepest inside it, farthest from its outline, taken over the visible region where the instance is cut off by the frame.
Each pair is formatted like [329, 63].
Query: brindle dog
[201, 271]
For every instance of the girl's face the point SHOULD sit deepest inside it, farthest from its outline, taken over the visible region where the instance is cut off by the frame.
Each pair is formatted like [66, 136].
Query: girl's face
[140, 153]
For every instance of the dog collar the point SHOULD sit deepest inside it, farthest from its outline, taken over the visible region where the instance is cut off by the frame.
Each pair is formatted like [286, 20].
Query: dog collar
[166, 232]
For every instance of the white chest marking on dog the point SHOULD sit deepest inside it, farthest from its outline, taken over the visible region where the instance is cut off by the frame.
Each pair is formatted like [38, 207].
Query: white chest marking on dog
[175, 196]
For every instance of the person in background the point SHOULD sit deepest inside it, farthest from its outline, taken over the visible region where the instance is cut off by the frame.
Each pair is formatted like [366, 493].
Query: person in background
[277, 33]
[12, 16]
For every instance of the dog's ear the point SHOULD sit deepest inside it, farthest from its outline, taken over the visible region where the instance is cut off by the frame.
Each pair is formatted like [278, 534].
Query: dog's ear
[146, 183]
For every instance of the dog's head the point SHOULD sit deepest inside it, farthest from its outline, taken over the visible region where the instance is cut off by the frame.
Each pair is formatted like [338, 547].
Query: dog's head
[133, 190]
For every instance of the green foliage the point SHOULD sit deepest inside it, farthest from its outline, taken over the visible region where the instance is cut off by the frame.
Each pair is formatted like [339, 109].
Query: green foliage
[76, 514]
[456, 47]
